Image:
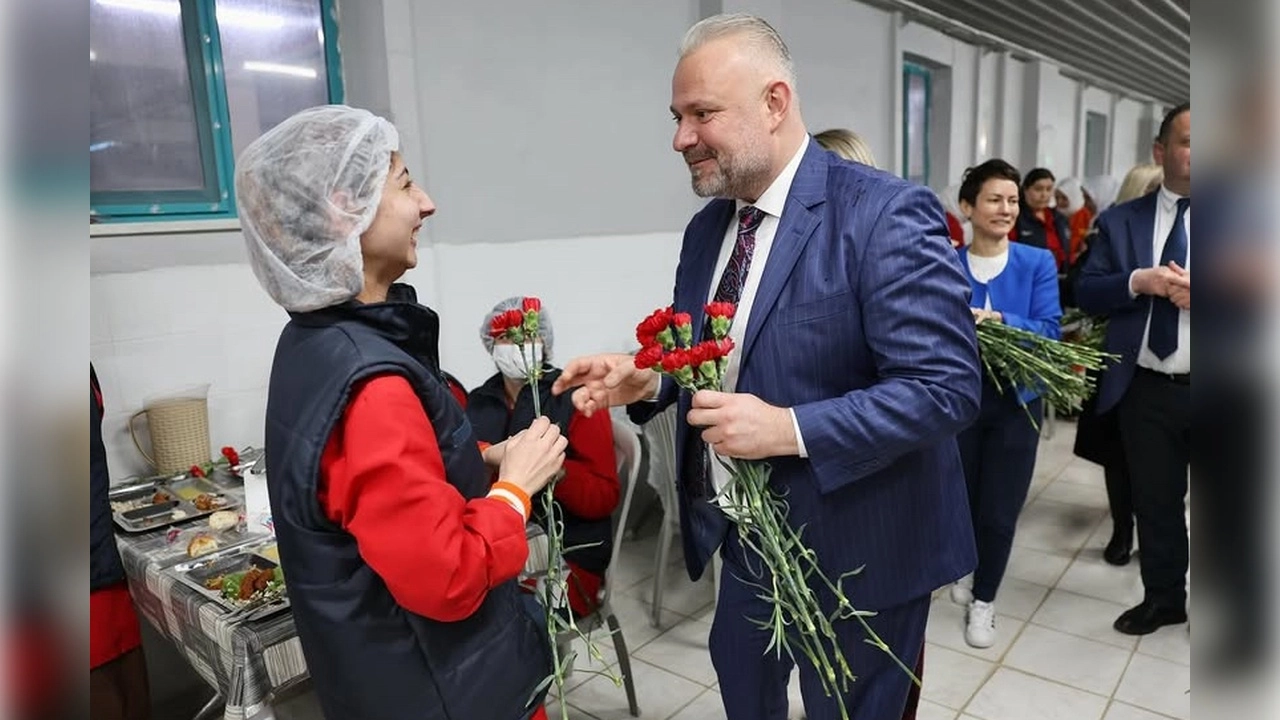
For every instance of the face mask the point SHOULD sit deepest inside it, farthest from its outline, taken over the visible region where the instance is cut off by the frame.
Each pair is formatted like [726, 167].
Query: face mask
[509, 362]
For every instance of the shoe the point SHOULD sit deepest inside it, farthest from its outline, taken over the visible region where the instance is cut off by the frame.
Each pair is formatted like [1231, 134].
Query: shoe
[962, 591]
[1147, 618]
[980, 629]
[1120, 548]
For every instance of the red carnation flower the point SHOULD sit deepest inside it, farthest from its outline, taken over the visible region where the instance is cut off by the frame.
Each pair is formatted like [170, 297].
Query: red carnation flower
[679, 319]
[195, 471]
[233, 457]
[675, 360]
[532, 304]
[649, 357]
[720, 309]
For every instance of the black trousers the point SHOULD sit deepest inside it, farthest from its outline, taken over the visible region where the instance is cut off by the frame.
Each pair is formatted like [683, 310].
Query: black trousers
[998, 452]
[1155, 425]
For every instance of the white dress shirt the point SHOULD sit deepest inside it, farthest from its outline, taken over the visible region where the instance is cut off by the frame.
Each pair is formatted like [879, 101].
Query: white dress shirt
[1180, 361]
[771, 203]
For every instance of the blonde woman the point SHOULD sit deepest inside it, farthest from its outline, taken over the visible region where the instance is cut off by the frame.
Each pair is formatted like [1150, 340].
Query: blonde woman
[1140, 180]
[847, 144]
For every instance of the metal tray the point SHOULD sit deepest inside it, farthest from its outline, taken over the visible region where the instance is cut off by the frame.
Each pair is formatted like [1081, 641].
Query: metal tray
[170, 548]
[198, 573]
[159, 502]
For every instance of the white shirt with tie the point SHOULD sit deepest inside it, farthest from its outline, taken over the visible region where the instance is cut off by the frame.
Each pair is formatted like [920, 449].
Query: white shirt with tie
[771, 202]
[1180, 361]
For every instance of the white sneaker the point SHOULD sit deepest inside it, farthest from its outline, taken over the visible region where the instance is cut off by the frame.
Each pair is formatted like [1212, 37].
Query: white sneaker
[980, 630]
[962, 590]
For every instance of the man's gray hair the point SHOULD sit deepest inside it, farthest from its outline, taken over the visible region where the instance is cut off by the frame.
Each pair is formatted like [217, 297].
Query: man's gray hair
[764, 41]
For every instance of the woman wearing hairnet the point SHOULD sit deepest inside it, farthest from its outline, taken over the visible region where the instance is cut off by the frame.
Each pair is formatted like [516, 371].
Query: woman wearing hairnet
[400, 558]
[588, 492]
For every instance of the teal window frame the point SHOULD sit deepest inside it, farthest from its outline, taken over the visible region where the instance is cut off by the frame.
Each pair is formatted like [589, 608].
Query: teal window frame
[213, 126]
[910, 69]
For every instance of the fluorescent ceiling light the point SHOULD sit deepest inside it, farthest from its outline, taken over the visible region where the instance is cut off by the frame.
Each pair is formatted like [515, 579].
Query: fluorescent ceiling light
[226, 16]
[92, 55]
[278, 69]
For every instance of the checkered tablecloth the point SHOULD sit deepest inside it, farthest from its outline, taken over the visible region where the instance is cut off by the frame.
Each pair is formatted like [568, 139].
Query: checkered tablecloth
[246, 662]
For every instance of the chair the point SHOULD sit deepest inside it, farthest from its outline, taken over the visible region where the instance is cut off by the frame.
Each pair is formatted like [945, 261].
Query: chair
[626, 446]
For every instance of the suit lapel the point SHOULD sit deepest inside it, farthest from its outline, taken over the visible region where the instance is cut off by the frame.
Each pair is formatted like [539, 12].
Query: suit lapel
[798, 224]
[1142, 227]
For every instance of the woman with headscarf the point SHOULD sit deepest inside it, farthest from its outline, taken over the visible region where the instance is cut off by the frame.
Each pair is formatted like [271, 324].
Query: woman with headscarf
[588, 493]
[399, 556]
[1074, 202]
[1039, 224]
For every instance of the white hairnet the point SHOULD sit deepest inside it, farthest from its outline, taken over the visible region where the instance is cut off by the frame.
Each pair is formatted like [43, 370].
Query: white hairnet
[1075, 196]
[516, 303]
[307, 190]
[1103, 189]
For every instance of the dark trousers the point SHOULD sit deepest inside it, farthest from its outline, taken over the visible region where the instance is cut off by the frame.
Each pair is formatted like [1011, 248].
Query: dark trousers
[753, 680]
[1155, 425]
[1119, 497]
[998, 452]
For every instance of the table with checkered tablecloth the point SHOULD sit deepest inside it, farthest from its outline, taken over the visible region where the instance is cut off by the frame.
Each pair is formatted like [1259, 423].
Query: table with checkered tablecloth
[247, 662]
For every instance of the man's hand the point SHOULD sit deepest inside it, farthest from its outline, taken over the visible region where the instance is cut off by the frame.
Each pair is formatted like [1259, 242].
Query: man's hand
[741, 425]
[607, 380]
[1180, 287]
[981, 316]
[1155, 281]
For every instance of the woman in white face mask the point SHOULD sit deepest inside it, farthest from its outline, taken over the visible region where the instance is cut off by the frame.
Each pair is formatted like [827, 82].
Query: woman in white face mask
[588, 492]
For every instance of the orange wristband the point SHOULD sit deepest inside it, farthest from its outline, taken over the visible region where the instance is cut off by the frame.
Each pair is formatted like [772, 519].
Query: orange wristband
[519, 492]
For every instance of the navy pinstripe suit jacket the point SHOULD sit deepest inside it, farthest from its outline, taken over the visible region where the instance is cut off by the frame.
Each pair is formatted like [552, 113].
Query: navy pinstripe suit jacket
[861, 324]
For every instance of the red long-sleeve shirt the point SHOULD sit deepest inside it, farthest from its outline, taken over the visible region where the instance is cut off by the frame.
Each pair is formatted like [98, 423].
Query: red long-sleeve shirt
[589, 488]
[382, 479]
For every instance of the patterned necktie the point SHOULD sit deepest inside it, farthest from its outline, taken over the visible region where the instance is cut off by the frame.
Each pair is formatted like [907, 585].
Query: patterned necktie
[729, 290]
[1163, 336]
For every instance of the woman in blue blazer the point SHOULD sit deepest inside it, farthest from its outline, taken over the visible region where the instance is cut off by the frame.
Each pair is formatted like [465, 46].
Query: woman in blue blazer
[1015, 284]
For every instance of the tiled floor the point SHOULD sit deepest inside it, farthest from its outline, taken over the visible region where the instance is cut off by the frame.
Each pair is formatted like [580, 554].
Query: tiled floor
[1057, 657]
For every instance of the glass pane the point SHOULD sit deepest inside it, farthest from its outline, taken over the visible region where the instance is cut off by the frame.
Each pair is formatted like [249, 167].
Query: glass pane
[917, 126]
[273, 55]
[142, 119]
[1095, 144]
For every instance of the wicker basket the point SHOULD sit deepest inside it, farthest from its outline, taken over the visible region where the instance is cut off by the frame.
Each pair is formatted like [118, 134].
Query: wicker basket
[179, 434]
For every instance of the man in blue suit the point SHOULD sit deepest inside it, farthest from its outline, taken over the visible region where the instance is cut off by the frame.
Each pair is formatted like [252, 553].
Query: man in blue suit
[856, 366]
[1138, 276]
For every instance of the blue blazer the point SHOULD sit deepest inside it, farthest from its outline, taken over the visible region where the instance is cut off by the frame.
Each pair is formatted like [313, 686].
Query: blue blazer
[1025, 292]
[861, 324]
[1121, 245]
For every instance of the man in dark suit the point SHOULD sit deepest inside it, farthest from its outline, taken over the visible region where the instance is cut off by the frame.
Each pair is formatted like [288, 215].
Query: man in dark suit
[856, 365]
[1138, 276]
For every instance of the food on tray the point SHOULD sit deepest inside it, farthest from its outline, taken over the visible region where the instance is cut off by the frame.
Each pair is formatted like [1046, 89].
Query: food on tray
[205, 502]
[223, 520]
[271, 552]
[161, 498]
[253, 584]
[201, 545]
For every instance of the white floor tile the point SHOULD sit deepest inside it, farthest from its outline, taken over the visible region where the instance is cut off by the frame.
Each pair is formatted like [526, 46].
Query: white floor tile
[1091, 576]
[934, 711]
[946, 628]
[679, 595]
[1071, 660]
[1121, 711]
[683, 651]
[1158, 685]
[1051, 526]
[1170, 642]
[951, 677]
[1092, 495]
[1012, 695]
[659, 692]
[1019, 599]
[1083, 616]
[707, 706]
[1037, 566]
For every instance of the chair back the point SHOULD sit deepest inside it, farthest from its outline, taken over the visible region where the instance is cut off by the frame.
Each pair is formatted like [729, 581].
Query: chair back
[660, 436]
[626, 447]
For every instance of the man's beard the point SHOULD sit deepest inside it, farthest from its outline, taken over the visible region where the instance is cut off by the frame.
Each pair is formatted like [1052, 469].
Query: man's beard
[732, 178]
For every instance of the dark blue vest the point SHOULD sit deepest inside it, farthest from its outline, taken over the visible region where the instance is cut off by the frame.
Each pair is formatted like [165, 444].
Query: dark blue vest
[493, 423]
[105, 567]
[370, 658]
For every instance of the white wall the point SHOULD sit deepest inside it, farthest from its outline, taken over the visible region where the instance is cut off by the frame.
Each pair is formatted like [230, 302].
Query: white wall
[553, 177]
